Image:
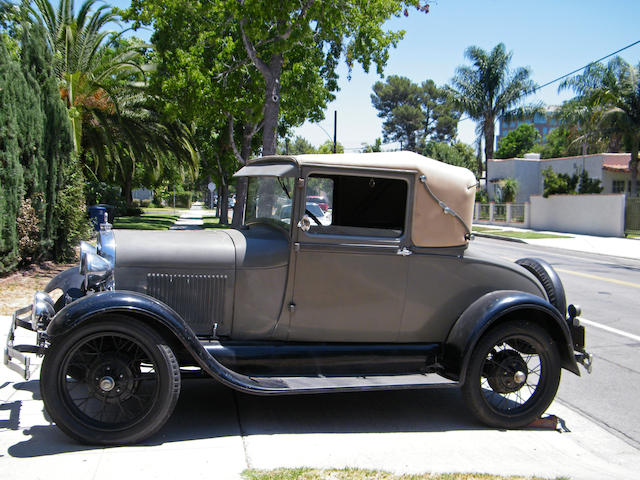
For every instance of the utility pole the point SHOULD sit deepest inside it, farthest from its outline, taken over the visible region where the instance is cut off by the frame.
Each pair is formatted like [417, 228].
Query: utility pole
[335, 131]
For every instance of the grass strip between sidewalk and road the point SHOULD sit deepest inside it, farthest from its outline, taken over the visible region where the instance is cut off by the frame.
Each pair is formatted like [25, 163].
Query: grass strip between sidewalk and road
[361, 474]
[146, 221]
[518, 234]
[211, 223]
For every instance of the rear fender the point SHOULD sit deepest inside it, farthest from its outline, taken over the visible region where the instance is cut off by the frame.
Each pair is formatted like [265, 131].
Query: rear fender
[497, 307]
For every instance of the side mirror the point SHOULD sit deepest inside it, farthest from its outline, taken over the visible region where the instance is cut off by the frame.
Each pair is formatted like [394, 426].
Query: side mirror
[304, 224]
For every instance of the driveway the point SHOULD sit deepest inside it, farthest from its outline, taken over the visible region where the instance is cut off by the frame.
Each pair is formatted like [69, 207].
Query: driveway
[215, 433]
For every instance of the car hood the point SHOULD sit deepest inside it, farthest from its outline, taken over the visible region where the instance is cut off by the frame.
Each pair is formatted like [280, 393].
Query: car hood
[174, 249]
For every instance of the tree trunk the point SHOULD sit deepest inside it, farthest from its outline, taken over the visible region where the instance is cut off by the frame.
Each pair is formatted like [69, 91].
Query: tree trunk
[127, 191]
[271, 105]
[489, 137]
[224, 204]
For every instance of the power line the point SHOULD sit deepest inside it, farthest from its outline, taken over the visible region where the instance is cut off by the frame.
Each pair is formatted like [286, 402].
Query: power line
[582, 68]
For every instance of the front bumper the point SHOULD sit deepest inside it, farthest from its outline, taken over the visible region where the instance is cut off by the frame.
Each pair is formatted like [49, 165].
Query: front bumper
[16, 355]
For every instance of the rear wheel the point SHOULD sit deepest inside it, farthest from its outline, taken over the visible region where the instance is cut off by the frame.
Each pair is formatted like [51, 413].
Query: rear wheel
[111, 381]
[513, 375]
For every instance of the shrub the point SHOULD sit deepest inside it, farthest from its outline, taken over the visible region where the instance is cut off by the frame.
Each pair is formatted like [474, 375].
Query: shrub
[70, 213]
[145, 203]
[28, 225]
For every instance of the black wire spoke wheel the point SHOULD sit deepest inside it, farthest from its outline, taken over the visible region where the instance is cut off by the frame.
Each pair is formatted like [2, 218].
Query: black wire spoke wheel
[110, 382]
[513, 375]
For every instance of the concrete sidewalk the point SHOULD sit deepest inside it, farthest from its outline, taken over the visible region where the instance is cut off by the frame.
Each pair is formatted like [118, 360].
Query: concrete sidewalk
[614, 246]
[216, 433]
[193, 218]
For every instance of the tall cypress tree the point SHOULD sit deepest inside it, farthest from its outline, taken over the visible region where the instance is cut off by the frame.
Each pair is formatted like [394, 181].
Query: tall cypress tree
[11, 180]
[56, 140]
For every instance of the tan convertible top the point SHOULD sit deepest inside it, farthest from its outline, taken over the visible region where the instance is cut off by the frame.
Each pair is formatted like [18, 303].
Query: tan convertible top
[451, 185]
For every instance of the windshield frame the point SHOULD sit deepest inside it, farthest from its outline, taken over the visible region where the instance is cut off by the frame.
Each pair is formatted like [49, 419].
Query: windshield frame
[278, 191]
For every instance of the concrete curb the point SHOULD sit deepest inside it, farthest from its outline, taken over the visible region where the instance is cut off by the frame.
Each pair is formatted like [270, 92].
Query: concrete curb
[499, 237]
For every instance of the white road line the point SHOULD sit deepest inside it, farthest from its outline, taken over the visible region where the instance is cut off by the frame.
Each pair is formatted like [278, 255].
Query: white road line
[591, 323]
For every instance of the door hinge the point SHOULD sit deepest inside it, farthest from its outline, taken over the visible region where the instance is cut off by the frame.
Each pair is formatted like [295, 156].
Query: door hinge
[404, 251]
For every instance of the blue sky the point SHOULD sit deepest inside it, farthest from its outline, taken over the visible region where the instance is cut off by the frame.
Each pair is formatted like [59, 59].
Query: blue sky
[552, 37]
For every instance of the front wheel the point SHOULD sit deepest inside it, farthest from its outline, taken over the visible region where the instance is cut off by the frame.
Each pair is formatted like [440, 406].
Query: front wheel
[110, 382]
[512, 376]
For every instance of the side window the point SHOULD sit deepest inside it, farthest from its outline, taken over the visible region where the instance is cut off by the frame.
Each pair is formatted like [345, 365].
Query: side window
[357, 205]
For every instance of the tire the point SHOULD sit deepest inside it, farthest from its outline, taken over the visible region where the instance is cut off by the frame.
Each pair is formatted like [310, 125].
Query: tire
[490, 388]
[112, 381]
[549, 280]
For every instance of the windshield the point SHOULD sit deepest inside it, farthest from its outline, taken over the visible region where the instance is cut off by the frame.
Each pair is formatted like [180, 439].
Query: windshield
[269, 199]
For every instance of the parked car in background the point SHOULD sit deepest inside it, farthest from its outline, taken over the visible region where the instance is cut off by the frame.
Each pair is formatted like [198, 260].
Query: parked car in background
[387, 295]
[322, 202]
[312, 209]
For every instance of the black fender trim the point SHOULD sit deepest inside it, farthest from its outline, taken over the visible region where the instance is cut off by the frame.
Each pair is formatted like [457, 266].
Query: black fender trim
[69, 278]
[137, 304]
[494, 307]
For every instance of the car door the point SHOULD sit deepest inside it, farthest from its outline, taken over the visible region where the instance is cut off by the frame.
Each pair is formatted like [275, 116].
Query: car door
[350, 274]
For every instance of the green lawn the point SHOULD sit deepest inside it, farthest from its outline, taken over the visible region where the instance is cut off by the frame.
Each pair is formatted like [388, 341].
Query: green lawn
[146, 221]
[210, 223]
[360, 474]
[516, 234]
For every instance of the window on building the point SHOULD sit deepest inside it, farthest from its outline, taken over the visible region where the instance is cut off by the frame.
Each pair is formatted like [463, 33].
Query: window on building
[618, 186]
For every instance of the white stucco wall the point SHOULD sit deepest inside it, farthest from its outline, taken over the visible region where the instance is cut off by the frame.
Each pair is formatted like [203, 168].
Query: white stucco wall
[598, 214]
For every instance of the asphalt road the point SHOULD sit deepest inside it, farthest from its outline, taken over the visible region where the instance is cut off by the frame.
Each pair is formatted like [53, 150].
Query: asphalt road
[608, 290]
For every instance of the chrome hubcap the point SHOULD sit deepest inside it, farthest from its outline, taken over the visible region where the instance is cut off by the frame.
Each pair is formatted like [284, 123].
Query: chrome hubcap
[519, 377]
[107, 384]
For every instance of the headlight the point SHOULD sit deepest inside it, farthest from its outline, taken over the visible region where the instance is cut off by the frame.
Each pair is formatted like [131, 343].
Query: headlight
[42, 310]
[95, 267]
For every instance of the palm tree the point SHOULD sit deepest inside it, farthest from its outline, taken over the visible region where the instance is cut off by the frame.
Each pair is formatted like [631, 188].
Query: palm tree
[102, 79]
[489, 89]
[83, 55]
[612, 93]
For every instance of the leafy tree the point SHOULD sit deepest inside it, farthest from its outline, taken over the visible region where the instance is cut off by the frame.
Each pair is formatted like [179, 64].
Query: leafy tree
[327, 147]
[376, 147]
[562, 183]
[290, 36]
[558, 183]
[560, 143]
[301, 146]
[588, 185]
[458, 153]
[398, 102]
[414, 112]
[489, 89]
[518, 142]
[612, 94]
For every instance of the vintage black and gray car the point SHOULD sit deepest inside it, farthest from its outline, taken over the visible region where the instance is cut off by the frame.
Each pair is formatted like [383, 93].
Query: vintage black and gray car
[385, 293]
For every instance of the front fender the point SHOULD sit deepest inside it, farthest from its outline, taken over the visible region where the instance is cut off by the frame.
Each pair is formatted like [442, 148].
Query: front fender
[137, 304]
[70, 278]
[496, 307]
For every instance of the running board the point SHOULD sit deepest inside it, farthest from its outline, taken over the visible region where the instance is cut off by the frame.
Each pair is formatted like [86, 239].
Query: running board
[296, 385]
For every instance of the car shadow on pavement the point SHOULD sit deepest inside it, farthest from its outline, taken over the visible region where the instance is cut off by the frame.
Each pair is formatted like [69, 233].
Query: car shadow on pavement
[207, 409]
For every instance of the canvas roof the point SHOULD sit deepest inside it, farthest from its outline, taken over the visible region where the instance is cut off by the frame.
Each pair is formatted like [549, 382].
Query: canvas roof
[455, 186]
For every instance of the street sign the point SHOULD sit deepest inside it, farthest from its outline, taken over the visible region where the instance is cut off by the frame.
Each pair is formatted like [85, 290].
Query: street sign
[211, 186]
